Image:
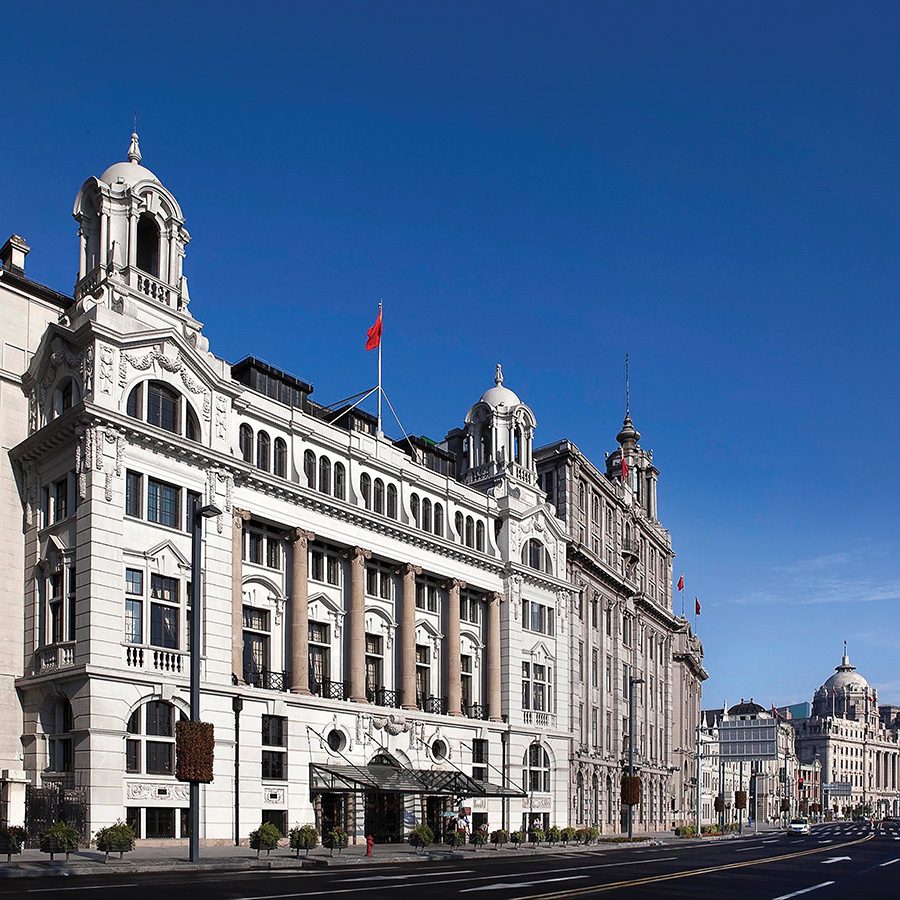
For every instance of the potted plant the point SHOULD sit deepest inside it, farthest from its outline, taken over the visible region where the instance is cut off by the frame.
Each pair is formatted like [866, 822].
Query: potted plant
[12, 837]
[60, 837]
[517, 838]
[567, 834]
[479, 836]
[266, 837]
[554, 835]
[116, 838]
[593, 834]
[337, 839]
[537, 836]
[304, 837]
[455, 837]
[499, 837]
[421, 836]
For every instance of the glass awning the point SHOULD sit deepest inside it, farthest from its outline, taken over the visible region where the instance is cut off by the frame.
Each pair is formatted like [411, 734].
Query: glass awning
[401, 780]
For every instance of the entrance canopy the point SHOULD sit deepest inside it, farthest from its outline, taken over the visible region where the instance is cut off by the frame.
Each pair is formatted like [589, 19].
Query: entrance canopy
[401, 780]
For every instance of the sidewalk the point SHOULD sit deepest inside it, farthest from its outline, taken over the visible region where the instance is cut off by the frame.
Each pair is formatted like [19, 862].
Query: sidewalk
[33, 863]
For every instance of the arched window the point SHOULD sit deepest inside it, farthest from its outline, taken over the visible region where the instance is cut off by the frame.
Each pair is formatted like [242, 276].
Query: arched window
[163, 407]
[245, 441]
[340, 487]
[191, 424]
[426, 515]
[135, 405]
[609, 799]
[518, 445]
[148, 245]
[150, 741]
[470, 531]
[309, 468]
[535, 556]
[414, 508]
[325, 475]
[262, 451]
[458, 526]
[64, 397]
[280, 458]
[391, 501]
[365, 488]
[536, 767]
[579, 798]
[479, 537]
[378, 496]
[595, 800]
[438, 519]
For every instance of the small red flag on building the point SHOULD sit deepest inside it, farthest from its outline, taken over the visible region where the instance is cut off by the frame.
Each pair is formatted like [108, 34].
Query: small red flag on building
[624, 466]
[696, 606]
[680, 584]
[373, 335]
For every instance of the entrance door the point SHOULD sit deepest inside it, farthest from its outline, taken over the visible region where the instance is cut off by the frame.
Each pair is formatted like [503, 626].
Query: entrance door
[434, 816]
[384, 817]
[333, 813]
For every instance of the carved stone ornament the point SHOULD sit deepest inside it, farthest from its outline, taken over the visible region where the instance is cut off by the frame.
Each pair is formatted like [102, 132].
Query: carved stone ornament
[175, 365]
[29, 471]
[105, 373]
[273, 796]
[221, 417]
[392, 723]
[143, 790]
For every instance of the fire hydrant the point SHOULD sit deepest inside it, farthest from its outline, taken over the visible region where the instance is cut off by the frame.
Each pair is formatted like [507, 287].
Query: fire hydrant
[370, 843]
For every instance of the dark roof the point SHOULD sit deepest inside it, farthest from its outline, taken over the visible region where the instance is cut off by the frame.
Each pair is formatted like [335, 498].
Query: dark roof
[253, 362]
[746, 708]
[41, 291]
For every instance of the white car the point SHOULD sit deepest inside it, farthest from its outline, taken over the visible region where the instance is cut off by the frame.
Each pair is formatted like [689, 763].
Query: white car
[799, 826]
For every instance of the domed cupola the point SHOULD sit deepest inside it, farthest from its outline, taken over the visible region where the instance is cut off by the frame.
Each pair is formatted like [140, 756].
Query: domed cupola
[132, 238]
[499, 436]
[845, 694]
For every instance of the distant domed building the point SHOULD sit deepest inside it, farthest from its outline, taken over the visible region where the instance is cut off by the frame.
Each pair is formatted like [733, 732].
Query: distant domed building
[857, 746]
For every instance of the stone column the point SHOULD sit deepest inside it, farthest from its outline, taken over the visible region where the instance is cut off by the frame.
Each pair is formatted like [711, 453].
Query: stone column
[454, 673]
[357, 660]
[299, 538]
[493, 658]
[408, 573]
[238, 517]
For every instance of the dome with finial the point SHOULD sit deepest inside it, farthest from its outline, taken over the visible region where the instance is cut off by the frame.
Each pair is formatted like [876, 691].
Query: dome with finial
[131, 172]
[846, 677]
[628, 434]
[499, 395]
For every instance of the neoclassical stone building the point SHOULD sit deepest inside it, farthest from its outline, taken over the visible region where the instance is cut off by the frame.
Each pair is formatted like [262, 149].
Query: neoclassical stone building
[387, 626]
[623, 627]
[856, 742]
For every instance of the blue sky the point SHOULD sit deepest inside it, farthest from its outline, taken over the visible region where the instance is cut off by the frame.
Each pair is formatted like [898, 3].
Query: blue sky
[713, 188]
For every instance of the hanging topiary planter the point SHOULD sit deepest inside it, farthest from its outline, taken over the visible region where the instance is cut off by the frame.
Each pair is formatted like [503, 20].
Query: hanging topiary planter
[631, 790]
[740, 799]
[194, 742]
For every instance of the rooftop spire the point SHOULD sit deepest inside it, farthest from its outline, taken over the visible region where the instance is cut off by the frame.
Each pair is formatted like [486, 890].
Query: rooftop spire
[498, 375]
[134, 149]
[627, 397]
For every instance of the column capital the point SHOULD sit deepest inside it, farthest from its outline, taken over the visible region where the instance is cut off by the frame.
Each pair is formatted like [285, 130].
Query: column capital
[408, 570]
[494, 597]
[450, 584]
[239, 516]
[357, 554]
[299, 536]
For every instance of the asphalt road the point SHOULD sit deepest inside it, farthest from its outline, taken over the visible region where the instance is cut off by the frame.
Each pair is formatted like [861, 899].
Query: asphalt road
[843, 860]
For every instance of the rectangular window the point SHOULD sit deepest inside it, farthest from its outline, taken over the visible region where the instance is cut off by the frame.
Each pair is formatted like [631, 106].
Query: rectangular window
[164, 626]
[423, 672]
[526, 685]
[132, 756]
[134, 582]
[595, 668]
[133, 818]
[61, 758]
[254, 547]
[595, 612]
[374, 662]
[609, 674]
[134, 620]
[276, 817]
[319, 656]
[581, 660]
[256, 619]
[60, 499]
[159, 758]
[162, 503]
[594, 729]
[159, 719]
[479, 759]
[609, 732]
[274, 731]
[274, 765]
[160, 822]
[273, 552]
[134, 494]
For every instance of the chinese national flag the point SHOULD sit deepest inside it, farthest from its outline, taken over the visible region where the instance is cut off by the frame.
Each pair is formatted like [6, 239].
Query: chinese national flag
[697, 606]
[680, 584]
[624, 467]
[373, 335]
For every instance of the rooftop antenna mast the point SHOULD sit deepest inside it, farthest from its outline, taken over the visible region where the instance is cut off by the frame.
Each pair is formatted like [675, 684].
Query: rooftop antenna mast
[627, 389]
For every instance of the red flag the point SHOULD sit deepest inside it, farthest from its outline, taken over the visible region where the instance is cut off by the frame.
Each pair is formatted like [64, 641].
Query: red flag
[373, 335]
[696, 606]
[680, 584]
[624, 466]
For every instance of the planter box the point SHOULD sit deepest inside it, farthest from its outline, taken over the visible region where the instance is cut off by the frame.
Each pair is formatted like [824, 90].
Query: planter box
[54, 846]
[9, 847]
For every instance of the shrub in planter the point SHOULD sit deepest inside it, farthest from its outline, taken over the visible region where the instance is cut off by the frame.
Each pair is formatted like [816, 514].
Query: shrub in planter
[517, 838]
[537, 836]
[479, 837]
[568, 834]
[710, 830]
[554, 835]
[117, 838]
[12, 839]
[337, 840]
[455, 837]
[304, 837]
[685, 831]
[499, 837]
[266, 837]
[593, 834]
[60, 837]
[421, 836]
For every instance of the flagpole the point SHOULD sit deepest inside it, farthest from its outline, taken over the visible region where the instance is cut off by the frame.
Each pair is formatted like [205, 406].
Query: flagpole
[380, 316]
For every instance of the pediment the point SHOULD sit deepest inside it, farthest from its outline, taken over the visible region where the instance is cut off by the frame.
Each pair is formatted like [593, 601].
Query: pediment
[328, 603]
[540, 651]
[168, 558]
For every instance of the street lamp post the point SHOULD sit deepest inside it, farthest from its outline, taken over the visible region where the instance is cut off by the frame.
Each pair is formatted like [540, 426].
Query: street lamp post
[200, 513]
[632, 681]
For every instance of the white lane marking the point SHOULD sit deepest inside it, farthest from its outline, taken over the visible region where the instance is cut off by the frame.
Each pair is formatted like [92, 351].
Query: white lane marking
[411, 875]
[826, 842]
[745, 849]
[770, 842]
[890, 862]
[428, 883]
[96, 887]
[508, 885]
[796, 842]
[815, 887]
[834, 859]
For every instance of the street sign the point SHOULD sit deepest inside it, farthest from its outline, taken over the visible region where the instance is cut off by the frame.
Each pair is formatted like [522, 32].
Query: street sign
[748, 739]
[838, 788]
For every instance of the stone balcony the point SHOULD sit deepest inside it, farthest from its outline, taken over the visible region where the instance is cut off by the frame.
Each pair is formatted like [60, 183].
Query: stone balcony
[54, 656]
[539, 719]
[156, 659]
